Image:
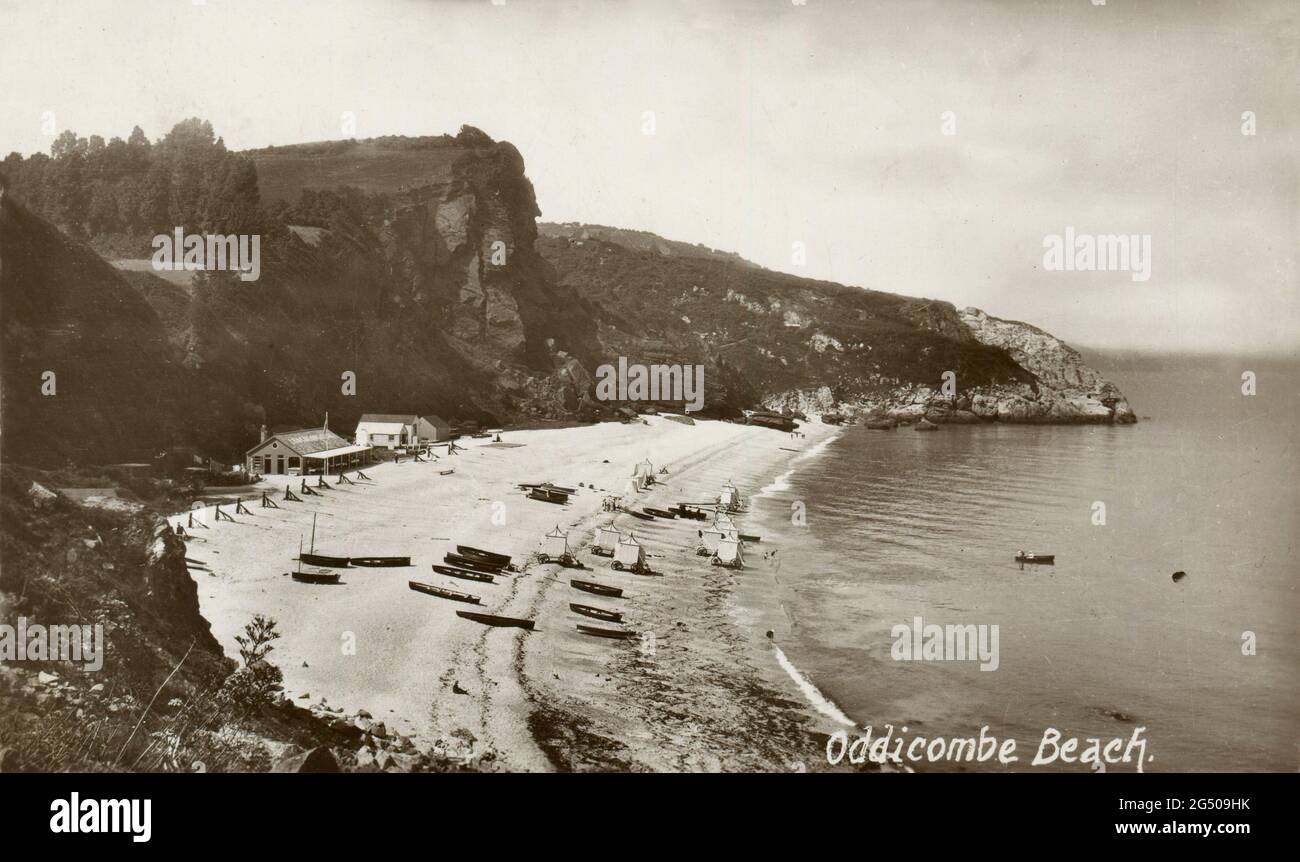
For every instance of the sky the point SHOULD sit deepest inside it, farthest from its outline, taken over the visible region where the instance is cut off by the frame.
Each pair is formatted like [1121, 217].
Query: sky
[755, 126]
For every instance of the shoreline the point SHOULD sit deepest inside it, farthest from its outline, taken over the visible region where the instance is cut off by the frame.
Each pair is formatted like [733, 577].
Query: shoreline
[713, 695]
[551, 699]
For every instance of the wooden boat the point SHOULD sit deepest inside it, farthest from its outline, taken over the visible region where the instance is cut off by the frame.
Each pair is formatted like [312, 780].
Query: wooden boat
[313, 558]
[600, 632]
[487, 556]
[747, 538]
[317, 577]
[481, 577]
[322, 560]
[443, 593]
[596, 589]
[548, 496]
[694, 514]
[381, 562]
[495, 620]
[472, 563]
[547, 486]
[596, 613]
[659, 513]
[1044, 559]
[635, 514]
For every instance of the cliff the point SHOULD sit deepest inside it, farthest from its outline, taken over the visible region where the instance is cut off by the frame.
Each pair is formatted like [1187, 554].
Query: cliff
[811, 347]
[417, 267]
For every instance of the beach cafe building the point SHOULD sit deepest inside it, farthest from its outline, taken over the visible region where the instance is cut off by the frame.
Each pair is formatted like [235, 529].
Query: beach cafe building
[307, 452]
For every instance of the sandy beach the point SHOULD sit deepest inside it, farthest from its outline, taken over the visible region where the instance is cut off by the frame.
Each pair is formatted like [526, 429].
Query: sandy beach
[702, 691]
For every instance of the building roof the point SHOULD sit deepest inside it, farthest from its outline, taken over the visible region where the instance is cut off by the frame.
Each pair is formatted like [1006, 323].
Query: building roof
[342, 450]
[400, 418]
[377, 427]
[307, 441]
[435, 419]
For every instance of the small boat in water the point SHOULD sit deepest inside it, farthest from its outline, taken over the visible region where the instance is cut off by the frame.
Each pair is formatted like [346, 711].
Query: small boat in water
[659, 513]
[316, 577]
[495, 620]
[595, 588]
[381, 562]
[476, 564]
[596, 613]
[443, 593]
[464, 574]
[601, 632]
[1043, 559]
[491, 557]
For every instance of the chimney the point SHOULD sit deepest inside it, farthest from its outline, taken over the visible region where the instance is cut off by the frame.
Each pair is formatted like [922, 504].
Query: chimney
[263, 437]
[327, 420]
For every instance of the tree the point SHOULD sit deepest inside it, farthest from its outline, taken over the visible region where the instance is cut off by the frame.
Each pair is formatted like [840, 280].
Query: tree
[255, 642]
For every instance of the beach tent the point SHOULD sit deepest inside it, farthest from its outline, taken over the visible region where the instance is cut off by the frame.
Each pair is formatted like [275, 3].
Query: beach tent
[629, 553]
[606, 540]
[644, 474]
[729, 499]
[730, 554]
[711, 538]
[557, 543]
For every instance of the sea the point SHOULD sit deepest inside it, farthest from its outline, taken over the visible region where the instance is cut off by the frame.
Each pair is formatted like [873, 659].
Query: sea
[876, 529]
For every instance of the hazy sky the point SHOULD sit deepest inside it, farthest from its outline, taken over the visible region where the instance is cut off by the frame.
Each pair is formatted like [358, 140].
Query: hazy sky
[774, 123]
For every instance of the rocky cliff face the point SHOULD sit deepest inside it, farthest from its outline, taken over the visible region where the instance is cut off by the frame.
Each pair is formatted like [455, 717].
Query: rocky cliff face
[1065, 390]
[797, 345]
[444, 239]
[1062, 390]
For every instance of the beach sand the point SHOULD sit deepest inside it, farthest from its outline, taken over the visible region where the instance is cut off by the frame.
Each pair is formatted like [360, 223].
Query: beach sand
[703, 693]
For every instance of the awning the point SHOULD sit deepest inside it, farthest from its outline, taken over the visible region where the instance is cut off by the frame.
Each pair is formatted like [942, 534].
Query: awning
[334, 453]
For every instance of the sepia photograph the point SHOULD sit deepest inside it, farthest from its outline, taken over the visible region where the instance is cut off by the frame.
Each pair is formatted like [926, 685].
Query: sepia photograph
[650, 386]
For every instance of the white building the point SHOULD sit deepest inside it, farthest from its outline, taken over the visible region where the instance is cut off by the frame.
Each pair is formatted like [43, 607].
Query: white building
[399, 430]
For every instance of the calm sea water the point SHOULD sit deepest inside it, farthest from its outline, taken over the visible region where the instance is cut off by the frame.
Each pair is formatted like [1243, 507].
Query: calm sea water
[904, 524]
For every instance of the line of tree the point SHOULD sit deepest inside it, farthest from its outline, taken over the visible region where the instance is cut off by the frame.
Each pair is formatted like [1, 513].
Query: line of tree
[135, 188]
